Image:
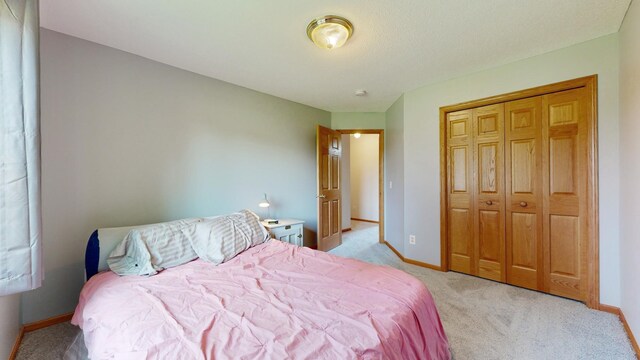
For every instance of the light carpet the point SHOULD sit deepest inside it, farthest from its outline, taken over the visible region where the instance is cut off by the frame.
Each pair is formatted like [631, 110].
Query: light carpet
[483, 319]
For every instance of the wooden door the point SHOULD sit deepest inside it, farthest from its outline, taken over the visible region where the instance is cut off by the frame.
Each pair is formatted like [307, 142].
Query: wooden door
[329, 148]
[523, 211]
[565, 122]
[488, 159]
[549, 207]
[460, 187]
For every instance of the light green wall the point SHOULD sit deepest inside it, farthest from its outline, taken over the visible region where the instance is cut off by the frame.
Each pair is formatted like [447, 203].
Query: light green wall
[364, 184]
[357, 120]
[394, 173]
[421, 143]
[630, 171]
[128, 141]
[9, 323]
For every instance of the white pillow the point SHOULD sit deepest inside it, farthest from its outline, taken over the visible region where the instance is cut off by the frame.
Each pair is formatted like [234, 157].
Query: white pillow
[147, 250]
[220, 239]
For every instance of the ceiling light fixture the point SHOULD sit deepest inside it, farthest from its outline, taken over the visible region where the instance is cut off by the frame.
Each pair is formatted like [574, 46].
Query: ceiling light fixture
[330, 32]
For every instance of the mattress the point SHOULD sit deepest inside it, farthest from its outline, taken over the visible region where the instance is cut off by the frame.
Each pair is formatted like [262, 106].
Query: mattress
[273, 301]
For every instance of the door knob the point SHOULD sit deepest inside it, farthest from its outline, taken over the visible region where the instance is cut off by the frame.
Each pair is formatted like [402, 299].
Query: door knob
[523, 204]
[489, 202]
[321, 196]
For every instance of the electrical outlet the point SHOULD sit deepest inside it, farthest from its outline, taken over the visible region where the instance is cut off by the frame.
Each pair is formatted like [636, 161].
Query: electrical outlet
[412, 239]
[390, 184]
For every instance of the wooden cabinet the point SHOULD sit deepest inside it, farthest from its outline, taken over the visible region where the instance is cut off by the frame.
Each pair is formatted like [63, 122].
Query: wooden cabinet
[517, 191]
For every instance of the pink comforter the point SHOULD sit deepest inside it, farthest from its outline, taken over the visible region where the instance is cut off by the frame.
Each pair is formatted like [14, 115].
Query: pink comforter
[274, 301]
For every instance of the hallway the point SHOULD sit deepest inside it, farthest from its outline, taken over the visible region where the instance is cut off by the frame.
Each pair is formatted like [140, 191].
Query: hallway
[362, 243]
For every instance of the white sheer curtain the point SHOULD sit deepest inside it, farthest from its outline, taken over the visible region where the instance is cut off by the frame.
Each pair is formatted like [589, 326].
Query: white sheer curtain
[20, 219]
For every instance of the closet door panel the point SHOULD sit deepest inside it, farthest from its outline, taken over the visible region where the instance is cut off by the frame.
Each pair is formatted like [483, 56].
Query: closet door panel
[565, 138]
[523, 118]
[562, 158]
[491, 245]
[523, 247]
[523, 170]
[488, 170]
[488, 129]
[459, 169]
[564, 245]
[460, 236]
[460, 192]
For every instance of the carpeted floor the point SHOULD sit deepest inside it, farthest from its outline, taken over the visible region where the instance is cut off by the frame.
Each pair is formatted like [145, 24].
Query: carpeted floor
[48, 343]
[489, 320]
[483, 319]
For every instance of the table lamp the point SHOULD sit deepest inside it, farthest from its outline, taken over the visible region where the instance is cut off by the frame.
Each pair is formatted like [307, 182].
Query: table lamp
[264, 203]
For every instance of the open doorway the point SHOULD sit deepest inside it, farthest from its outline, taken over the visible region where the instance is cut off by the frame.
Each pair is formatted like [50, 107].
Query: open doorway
[362, 184]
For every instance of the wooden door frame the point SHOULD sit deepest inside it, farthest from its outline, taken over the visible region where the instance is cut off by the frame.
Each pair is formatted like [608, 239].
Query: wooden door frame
[590, 83]
[380, 132]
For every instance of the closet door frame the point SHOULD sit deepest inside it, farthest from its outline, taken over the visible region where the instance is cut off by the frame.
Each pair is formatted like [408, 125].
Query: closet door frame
[590, 85]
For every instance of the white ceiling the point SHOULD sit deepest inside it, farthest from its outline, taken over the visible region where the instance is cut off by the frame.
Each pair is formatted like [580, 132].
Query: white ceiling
[398, 45]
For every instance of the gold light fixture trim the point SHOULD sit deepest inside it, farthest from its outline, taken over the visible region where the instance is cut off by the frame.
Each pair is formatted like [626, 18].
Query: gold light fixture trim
[330, 31]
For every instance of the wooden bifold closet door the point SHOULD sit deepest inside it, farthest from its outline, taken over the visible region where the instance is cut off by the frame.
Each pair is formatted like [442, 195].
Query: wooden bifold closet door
[476, 196]
[460, 187]
[524, 192]
[517, 192]
[565, 209]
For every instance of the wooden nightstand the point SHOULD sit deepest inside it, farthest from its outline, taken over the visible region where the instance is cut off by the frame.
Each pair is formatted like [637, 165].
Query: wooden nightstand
[287, 230]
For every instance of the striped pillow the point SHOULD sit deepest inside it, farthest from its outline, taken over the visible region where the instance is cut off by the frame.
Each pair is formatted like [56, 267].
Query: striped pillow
[147, 250]
[220, 239]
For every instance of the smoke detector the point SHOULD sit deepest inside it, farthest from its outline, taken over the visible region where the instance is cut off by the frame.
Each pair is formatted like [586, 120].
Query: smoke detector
[360, 92]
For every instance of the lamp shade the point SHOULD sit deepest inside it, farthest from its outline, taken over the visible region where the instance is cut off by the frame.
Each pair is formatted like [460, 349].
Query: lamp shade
[264, 203]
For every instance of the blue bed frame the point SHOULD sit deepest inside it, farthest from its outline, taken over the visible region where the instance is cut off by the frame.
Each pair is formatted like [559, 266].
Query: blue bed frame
[92, 255]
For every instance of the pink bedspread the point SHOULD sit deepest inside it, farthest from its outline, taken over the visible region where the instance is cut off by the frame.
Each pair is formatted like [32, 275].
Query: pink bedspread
[274, 301]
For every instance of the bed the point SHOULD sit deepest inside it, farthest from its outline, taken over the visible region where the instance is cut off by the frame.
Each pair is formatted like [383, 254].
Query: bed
[272, 301]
